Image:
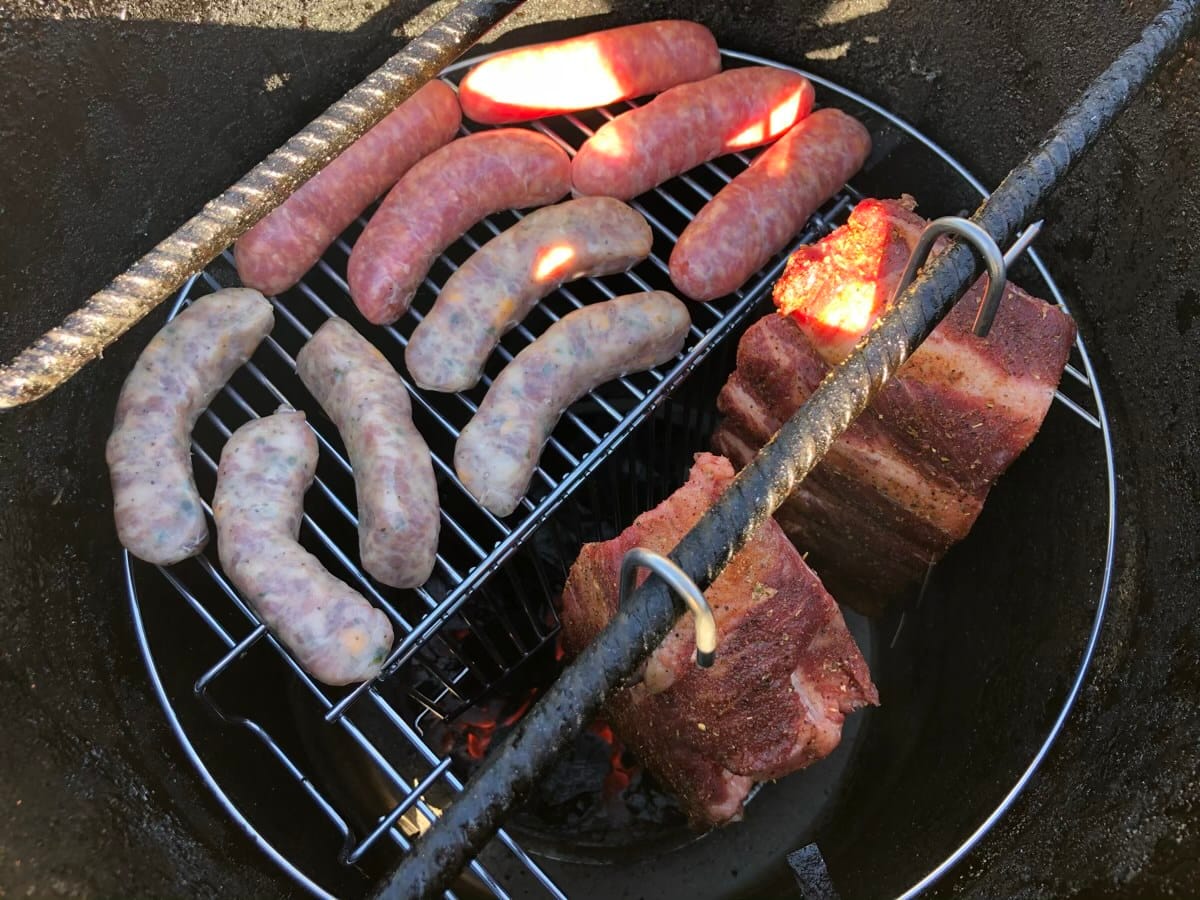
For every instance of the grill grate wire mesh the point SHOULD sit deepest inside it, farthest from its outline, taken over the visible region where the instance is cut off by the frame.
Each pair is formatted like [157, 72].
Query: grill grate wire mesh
[457, 636]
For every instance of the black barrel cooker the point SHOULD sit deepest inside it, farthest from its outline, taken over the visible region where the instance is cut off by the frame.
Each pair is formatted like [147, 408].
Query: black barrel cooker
[120, 120]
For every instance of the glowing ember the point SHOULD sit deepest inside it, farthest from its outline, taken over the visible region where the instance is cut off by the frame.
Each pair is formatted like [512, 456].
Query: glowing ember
[475, 729]
[478, 741]
[595, 791]
[620, 775]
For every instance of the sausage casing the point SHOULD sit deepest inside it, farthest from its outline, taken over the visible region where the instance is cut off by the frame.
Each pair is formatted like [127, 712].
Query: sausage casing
[274, 254]
[498, 450]
[266, 467]
[498, 285]
[156, 505]
[755, 215]
[689, 125]
[437, 200]
[398, 520]
[588, 71]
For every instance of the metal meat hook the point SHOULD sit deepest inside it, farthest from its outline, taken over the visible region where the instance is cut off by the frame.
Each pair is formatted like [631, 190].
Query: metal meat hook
[684, 587]
[997, 264]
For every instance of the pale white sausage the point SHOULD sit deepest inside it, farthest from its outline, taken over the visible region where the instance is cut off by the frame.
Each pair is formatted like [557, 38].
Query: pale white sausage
[155, 503]
[266, 467]
[498, 450]
[398, 518]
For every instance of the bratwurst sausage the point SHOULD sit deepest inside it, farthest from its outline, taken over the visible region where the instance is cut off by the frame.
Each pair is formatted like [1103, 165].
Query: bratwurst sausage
[588, 71]
[754, 216]
[266, 466]
[440, 198]
[275, 253]
[393, 473]
[503, 281]
[155, 501]
[689, 125]
[498, 450]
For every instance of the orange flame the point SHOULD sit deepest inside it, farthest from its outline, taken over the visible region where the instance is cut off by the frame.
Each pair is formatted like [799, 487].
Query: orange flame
[836, 288]
[620, 776]
[479, 727]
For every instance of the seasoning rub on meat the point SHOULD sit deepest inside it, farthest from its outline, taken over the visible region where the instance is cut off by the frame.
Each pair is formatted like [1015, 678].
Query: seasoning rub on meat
[787, 671]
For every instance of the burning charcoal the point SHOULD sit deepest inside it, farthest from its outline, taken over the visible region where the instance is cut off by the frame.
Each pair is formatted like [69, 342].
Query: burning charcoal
[579, 772]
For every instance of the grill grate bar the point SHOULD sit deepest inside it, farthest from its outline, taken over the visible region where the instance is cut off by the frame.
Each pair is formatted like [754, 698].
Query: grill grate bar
[199, 608]
[319, 694]
[404, 806]
[202, 683]
[1077, 409]
[1078, 376]
[399, 782]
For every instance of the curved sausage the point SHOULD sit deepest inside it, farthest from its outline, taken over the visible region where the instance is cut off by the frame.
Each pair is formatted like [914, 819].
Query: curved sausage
[438, 199]
[274, 254]
[398, 518]
[755, 215]
[689, 125]
[588, 71]
[266, 466]
[503, 281]
[155, 503]
[498, 450]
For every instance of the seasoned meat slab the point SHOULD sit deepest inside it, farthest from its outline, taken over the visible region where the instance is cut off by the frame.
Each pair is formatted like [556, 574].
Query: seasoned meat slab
[909, 478]
[786, 675]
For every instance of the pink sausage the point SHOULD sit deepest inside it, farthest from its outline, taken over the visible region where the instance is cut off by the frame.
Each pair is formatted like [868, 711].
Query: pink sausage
[689, 125]
[274, 254]
[588, 71]
[755, 215]
[438, 200]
